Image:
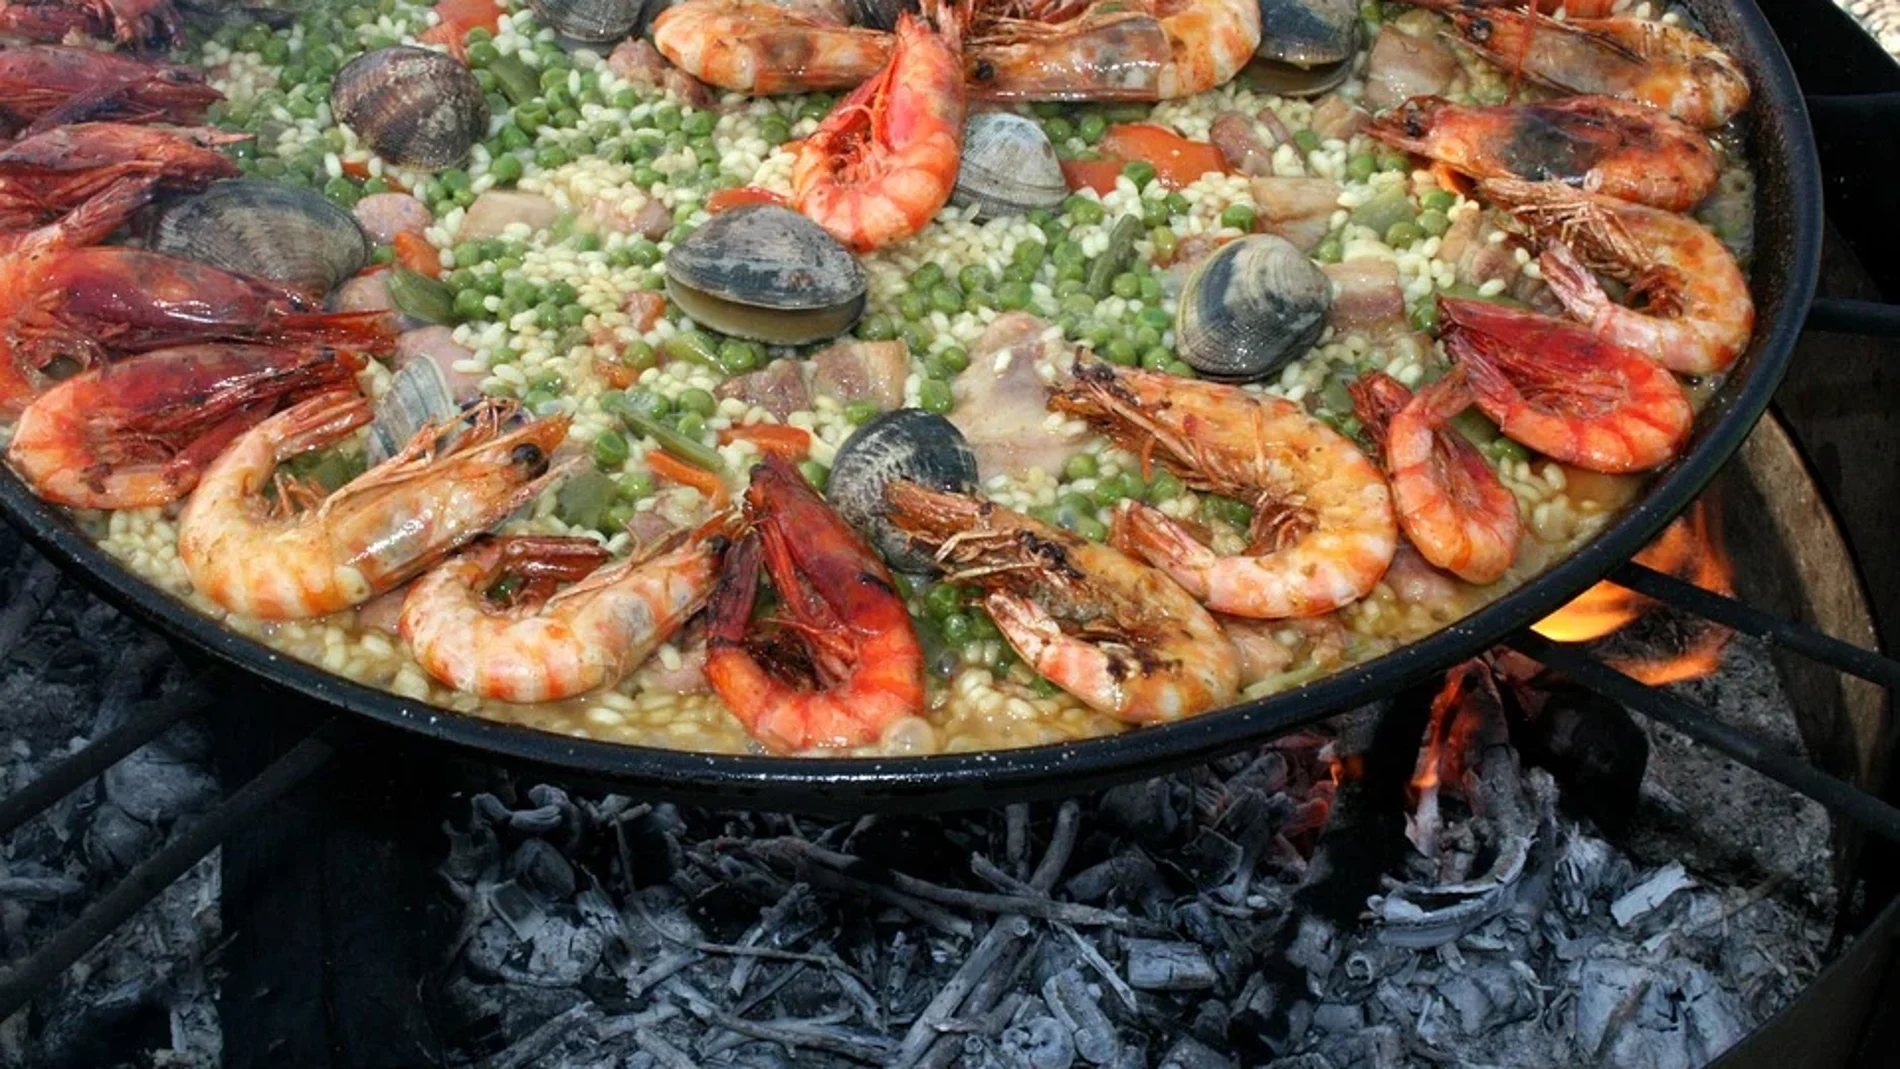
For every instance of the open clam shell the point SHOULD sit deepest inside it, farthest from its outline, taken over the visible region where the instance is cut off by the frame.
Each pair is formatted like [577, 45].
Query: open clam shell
[412, 106]
[1250, 307]
[768, 274]
[1307, 47]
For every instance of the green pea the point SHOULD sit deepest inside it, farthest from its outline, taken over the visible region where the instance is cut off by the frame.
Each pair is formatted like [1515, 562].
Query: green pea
[276, 51]
[481, 53]
[1437, 200]
[942, 600]
[877, 328]
[667, 118]
[1433, 223]
[561, 293]
[1120, 351]
[454, 179]
[1238, 216]
[1078, 304]
[341, 192]
[926, 276]
[954, 359]
[506, 170]
[1155, 320]
[1361, 167]
[1306, 140]
[916, 337]
[633, 485]
[1424, 315]
[1164, 487]
[530, 117]
[933, 395]
[1079, 466]
[697, 401]
[468, 304]
[1068, 252]
[946, 299]
[774, 130]
[1177, 204]
[691, 424]
[611, 450]
[638, 354]
[588, 242]
[1140, 172]
[1403, 234]
[565, 118]
[647, 177]
[1154, 213]
[1125, 286]
[738, 356]
[1328, 251]
[699, 124]
[815, 107]
[975, 277]
[1156, 358]
[1394, 161]
[1058, 128]
[1091, 128]
[1014, 295]
[1150, 289]
[818, 476]
[1083, 210]
[1015, 272]
[1091, 528]
[956, 629]
[911, 306]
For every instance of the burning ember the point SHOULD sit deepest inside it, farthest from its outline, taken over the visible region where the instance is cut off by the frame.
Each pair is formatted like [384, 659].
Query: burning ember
[1689, 549]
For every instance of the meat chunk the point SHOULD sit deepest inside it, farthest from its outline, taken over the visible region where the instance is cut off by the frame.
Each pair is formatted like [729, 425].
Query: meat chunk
[498, 209]
[1298, 209]
[871, 371]
[779, 388]
[1240, 144]
[1418, 583]
[1001, 400]
[438, 344]
[1261, 655]
[1402, 66]
[1366, 295]
[384, 215]
[1338, 117]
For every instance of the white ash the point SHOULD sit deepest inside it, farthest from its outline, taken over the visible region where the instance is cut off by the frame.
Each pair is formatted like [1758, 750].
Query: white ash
[72, 669]
[655, 936]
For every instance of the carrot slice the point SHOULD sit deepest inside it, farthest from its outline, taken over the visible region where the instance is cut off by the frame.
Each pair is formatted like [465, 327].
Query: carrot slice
[414, 252]
[1098, 175]
[672, 469]
[1177, 161]
[792, 443]
[724, 199]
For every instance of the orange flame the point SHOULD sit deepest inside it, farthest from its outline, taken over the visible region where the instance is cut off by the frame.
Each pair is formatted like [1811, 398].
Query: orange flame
[1689, 549]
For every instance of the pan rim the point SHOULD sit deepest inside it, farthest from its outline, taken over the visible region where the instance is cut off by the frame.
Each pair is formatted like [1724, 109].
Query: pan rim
[971, 778]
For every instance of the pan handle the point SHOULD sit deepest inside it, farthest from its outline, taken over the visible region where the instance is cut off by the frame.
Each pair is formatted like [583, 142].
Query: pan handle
[1841, 315]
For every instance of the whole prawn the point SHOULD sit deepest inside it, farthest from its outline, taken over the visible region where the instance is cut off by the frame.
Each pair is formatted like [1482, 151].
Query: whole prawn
[1450, 502]
[141, 25]
[884, 162]
[369, 536]
[1564, 391]
[1697, 314]
[1114, 632]
[761, 47]
[1323, 531]
[1598, 144]
[1109, 49]
[138, 433]
[49, 173]
[532, 647]
[1641, 60]
[842, 617]
[42, 86]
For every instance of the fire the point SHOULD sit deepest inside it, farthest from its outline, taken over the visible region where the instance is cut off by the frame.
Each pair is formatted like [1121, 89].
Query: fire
[1689, 549]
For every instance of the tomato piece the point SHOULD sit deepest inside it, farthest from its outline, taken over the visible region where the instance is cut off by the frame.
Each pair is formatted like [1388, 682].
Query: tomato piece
[1098, 175]
[727, 199]
[792, 443]
[665, 466]
[414, 252]
[1177, 161]
[457, 17]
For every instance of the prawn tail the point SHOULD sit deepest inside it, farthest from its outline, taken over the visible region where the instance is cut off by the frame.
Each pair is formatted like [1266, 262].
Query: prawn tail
[99, 215]
[729, 609]
[1153, 536]
[318, 421]
[355, 332]
[1576, 288]
[1376, 398]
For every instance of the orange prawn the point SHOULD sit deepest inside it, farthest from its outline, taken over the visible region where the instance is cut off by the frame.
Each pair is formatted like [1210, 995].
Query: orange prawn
[884, 162]
[845, 626]
[1560, 389]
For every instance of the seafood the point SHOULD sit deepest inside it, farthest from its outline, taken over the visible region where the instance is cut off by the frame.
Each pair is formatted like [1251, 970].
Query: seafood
[376, 532]
[766, 273]
[1643, 60]
[841, 615]
[883, 163]
[1597, 144]
[762, 47]
[266, 230]
[1109, 49]
[142, 25]
[908, 445]
[1008, 167]
[1251, 307]
[1450, 502]
[594, 22]
[1112, 631]
[51, 172]
[138, 433]
[43, 86]
[1565, 391]
[1323, 530]
[1306, 46]
[85, 304]
[1697, 314]
[414, 107]
[528, 646]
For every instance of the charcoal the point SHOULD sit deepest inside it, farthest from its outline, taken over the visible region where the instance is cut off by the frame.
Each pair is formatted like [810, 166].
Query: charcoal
[541, 870]
[1302, 1061]
[1070, 1000]
[115, 841]
[1042, 1043]
[155, 785]
[1190, 1053]
[1650, 895]
[1156, 965]
[1209, 859]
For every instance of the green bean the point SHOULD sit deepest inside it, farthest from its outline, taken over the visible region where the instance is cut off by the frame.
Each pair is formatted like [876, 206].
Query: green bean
[1121, 248]
[859, 412]
[421, 296]
[675, 442]
[583, 499]
[693, 346]
[516, 80]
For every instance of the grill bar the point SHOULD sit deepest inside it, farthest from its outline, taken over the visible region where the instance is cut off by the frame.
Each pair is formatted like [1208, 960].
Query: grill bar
[146, 723]
[1701, 725]
[1738, 616]
[30, 976]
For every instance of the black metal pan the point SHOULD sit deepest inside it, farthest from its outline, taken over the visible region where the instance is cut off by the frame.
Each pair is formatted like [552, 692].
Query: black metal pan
[1788, 239]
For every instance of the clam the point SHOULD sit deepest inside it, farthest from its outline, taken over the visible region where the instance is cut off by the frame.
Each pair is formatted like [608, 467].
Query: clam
[266, 230]
[1307, 47]
[1008, 167]
[766, 273]
[906, 444]
[1250, 307]
[594, 22]
[412, 106]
